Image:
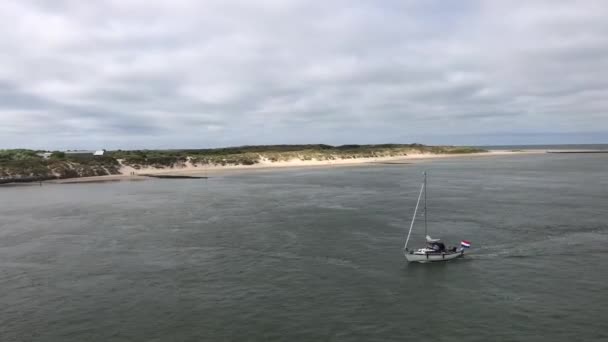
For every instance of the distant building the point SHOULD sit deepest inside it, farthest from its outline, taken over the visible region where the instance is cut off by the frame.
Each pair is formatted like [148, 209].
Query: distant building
[79, 154]
[84, 154]
[45, 155]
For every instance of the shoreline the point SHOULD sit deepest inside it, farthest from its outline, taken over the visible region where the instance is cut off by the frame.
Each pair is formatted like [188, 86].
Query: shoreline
[205, 170]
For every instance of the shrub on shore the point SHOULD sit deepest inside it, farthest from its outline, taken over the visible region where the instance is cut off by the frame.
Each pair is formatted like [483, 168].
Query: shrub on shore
[27, 164]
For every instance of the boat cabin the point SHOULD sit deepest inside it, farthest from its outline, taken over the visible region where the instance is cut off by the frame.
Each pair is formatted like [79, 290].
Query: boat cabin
[436, 246]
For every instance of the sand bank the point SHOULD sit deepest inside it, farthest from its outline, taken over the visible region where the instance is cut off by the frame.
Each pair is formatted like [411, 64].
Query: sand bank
[131, 174]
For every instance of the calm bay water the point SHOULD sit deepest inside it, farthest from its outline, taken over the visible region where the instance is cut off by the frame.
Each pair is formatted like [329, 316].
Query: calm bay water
[588, 147]
[312, 255]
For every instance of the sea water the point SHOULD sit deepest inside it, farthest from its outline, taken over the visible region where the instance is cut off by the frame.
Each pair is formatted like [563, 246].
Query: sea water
[312, 255]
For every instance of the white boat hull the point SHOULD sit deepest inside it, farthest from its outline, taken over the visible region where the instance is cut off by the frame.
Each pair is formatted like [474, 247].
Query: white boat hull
[433, 257]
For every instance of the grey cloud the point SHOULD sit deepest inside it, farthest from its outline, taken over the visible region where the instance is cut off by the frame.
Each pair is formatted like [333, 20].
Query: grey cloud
[126, 74]
[12, 98]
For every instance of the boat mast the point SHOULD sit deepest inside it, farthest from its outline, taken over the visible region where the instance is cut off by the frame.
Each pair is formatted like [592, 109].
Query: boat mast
[425, 230]
[414, 217]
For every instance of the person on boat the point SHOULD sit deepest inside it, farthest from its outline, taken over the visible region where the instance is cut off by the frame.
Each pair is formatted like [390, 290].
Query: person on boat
[437, 246]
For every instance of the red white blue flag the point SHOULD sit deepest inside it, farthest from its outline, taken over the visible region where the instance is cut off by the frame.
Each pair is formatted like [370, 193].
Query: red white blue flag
[465, 244]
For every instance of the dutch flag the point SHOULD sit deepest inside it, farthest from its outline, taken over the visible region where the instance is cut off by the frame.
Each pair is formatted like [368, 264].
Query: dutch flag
[465, 244]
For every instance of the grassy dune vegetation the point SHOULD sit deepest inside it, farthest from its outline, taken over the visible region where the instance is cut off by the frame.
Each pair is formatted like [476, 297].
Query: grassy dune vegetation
[27, 165]
[249, 155]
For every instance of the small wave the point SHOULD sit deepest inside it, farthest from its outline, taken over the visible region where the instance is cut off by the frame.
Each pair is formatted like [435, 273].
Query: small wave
[335, 207]
[318, 259]
[282, 255]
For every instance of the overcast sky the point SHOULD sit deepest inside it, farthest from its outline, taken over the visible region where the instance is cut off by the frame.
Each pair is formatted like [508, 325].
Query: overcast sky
[189, 73]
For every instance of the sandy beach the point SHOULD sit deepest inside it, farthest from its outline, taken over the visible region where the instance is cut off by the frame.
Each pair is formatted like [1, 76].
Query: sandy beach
[188, 169]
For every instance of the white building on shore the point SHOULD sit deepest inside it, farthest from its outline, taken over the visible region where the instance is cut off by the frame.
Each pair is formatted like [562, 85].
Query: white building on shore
[85, 153]
[45, 155]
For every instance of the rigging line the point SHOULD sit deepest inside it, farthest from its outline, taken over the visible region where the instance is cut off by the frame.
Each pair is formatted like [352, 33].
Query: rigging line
[413, 218]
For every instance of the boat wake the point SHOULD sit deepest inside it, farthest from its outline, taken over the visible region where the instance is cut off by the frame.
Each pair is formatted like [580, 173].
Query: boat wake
[585, 241]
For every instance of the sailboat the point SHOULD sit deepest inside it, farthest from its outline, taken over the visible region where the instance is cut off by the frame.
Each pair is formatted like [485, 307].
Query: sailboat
[434, 250]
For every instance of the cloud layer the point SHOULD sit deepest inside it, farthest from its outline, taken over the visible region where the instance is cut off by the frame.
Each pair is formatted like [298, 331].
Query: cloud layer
[185, 73]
